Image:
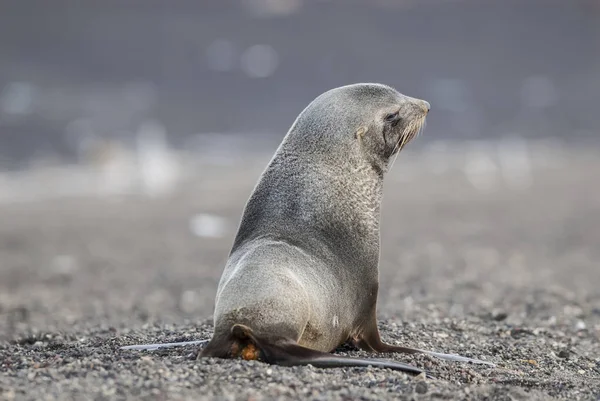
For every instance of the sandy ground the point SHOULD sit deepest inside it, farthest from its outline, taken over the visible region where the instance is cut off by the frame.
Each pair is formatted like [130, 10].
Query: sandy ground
[506, 274]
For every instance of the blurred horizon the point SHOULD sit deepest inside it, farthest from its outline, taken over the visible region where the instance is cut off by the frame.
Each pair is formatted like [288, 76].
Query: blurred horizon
[139, 97]
[198, 73]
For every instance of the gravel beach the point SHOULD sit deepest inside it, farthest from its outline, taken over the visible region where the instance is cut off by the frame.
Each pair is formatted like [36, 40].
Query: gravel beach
[492, 269]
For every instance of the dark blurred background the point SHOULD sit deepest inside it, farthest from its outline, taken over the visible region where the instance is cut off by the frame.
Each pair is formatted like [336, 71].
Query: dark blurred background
[82, 75]
[127, 84]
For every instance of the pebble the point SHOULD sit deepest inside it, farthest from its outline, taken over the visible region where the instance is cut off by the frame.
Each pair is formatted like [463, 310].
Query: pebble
[421, 387]
[499, 315]
[9, 394]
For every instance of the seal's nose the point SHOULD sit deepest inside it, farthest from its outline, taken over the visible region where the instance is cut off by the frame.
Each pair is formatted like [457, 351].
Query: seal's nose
[426, 106]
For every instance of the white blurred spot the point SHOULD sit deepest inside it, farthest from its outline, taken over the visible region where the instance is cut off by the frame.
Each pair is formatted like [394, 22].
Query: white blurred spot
[409, 302]
[217, 148]
[480, 170]
[259, 61]
[515, 162]
[539, 92]
[189, 301]
[266, 8]
[208, 225]
[580, 325]
[159, 170]
[64, 265]
[17, 98]
[221, 55]
[116, 167]
[336, 321]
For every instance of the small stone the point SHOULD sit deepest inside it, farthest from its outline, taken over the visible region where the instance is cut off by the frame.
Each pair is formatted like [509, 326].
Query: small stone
[146, 359]
[519, 332]
[580, 325]
[499, 315]
[420, 377]
[421, 387]
[564, 353]
[9, 394]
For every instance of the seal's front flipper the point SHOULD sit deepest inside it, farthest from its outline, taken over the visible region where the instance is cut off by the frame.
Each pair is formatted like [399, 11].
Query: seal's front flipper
[288, 353]
[384, 348]
[154, 347]
[371, 341]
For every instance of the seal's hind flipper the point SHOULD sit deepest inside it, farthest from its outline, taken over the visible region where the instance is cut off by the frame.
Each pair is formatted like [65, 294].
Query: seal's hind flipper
[154, 347]
[288, 353]
[324, 360]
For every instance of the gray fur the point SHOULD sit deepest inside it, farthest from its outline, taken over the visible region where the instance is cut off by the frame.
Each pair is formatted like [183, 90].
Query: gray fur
[304, 264]
[302, 275]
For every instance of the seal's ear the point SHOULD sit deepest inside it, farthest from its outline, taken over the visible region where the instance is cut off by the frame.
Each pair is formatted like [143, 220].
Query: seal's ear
[361, 132]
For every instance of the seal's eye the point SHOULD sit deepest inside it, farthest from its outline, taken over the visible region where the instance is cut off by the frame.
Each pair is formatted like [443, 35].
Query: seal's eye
[392, 117]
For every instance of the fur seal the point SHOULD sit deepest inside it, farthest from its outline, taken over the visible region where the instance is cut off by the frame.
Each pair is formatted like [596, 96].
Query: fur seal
[302, 275]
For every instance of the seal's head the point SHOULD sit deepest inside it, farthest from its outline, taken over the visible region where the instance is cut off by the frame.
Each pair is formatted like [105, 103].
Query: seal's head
[369, 122]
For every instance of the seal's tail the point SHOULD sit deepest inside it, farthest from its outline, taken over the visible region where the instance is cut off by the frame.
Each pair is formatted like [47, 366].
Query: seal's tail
[242, 342]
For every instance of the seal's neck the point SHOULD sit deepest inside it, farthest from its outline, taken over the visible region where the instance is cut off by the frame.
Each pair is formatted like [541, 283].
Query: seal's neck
[303, 195]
